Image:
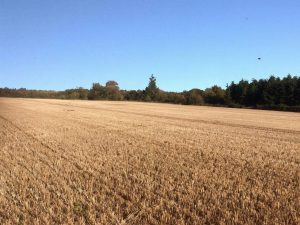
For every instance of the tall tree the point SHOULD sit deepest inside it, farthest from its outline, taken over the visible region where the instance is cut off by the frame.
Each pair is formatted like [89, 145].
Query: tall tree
[151, 90]
[113, 90]
[97, 92]
[215, 95]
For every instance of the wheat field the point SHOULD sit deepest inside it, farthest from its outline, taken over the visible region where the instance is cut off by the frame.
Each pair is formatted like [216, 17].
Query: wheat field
[102, 162]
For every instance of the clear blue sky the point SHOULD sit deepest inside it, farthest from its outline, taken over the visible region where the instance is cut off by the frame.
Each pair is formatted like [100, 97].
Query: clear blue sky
[61, 44]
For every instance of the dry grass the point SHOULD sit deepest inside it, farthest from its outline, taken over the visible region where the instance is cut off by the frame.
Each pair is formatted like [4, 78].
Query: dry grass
[80, 162]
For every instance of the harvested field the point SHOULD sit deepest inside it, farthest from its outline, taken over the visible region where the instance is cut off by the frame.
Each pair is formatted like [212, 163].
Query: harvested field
[101, 162]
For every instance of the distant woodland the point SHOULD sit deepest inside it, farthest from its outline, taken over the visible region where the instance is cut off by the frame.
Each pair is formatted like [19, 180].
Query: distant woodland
[273, 93]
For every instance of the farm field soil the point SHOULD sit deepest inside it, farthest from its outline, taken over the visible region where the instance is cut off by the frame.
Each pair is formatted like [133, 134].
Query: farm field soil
[102, 162]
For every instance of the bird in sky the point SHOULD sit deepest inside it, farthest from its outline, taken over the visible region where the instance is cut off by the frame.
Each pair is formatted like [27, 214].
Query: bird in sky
[259, 58]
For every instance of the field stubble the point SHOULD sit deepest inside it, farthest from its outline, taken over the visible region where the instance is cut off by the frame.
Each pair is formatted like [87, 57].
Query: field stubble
[66, 162]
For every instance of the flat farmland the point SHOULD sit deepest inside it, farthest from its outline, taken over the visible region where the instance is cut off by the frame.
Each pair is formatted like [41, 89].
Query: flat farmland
[102, 162]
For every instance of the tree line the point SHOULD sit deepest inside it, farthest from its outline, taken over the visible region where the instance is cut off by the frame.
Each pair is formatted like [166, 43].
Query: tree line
[272, 93]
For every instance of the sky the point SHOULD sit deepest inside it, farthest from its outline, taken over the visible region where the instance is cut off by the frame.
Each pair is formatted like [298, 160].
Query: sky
[186, 44]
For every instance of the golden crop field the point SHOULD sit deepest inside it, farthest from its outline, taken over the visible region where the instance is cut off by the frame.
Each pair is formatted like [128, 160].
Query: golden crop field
[102, 162]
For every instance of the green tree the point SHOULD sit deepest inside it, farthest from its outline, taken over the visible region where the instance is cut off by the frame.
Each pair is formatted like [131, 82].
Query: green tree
[97, 92]
[194, 97]
[215, 95]
[151, 91]
[113, 90]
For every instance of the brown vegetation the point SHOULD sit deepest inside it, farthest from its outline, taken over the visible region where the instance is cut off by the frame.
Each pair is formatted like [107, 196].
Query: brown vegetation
[66, 162]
